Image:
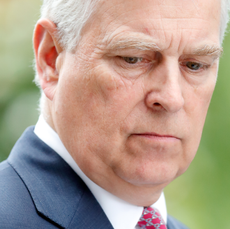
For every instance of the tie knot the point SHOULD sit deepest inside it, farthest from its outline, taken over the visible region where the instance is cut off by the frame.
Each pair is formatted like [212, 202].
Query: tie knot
[151, 219]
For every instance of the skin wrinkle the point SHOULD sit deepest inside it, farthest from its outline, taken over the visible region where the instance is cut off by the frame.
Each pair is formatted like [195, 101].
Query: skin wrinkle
[189, 18]
[106, 40]
[181, 37]
[171, 42]
[197, 8]
[125, 13]
[107, 16]
[162, 27]
[180, 7]
[111, 9]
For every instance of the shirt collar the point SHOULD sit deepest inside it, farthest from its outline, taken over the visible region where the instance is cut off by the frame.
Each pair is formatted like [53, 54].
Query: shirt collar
[120, 213]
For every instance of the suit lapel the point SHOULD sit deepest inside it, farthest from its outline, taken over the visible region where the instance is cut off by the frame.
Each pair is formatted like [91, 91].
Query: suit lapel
[57, 191]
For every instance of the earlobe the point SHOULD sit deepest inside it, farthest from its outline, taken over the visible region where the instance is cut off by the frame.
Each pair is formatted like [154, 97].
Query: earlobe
[47, 52]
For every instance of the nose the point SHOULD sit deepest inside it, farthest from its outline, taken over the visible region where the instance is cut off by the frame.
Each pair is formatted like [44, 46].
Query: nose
[165, 87]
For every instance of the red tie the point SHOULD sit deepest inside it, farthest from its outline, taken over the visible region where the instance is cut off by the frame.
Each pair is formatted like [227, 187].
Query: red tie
[151, 219]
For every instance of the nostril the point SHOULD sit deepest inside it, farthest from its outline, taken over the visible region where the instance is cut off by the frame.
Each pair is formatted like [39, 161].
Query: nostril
[156, 104]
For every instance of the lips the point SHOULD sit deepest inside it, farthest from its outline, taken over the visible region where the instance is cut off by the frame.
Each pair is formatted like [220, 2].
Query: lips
[156, 136]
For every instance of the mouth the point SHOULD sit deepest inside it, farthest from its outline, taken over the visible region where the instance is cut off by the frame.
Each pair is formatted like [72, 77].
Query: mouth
[157, 137]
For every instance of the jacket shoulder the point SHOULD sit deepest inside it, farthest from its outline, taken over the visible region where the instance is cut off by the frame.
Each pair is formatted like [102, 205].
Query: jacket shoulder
[17, 209]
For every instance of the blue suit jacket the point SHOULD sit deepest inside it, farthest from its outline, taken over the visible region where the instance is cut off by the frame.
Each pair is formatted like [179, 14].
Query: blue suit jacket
[39, 190]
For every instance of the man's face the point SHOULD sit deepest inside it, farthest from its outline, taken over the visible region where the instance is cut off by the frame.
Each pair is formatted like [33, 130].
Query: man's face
[131, 100]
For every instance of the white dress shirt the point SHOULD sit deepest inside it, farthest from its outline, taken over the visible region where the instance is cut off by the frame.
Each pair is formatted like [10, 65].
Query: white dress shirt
[121, 214]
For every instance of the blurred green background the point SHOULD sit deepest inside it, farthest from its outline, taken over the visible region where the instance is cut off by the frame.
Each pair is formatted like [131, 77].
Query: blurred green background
[199, 198]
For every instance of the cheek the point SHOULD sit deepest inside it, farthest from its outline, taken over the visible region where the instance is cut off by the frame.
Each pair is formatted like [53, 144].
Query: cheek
[197, 107]
[94, 108]
[198, 99]
[203, 98]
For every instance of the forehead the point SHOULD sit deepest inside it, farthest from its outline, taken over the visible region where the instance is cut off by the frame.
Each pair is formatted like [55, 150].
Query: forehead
[168, 9]
[162, 20]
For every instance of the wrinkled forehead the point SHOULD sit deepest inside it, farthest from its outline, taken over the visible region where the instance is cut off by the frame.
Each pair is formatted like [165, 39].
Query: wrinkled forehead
[184, 7]
[124, 10]
[159, 18]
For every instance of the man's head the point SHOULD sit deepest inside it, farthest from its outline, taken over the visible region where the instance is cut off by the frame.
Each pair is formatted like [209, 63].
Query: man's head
[129, 101]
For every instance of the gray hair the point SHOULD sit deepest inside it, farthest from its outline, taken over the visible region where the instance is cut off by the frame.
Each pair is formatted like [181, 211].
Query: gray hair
[70, 17]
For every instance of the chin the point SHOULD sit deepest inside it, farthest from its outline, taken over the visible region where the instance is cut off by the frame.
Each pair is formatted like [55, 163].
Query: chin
[149, 177]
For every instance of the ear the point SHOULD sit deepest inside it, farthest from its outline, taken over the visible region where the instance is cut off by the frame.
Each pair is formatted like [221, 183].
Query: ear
[47, 51]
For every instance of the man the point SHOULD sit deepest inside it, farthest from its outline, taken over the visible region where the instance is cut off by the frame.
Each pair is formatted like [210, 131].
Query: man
[125, 90]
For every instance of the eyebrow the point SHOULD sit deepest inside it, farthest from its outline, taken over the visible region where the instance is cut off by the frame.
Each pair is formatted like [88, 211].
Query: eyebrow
[135, 41]
[209, 50]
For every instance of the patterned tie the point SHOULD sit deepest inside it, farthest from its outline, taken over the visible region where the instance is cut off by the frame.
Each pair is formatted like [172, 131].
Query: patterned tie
[151, 219]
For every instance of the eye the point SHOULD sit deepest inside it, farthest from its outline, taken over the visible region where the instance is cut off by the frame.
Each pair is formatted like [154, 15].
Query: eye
[194, 66]
[132, 60]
